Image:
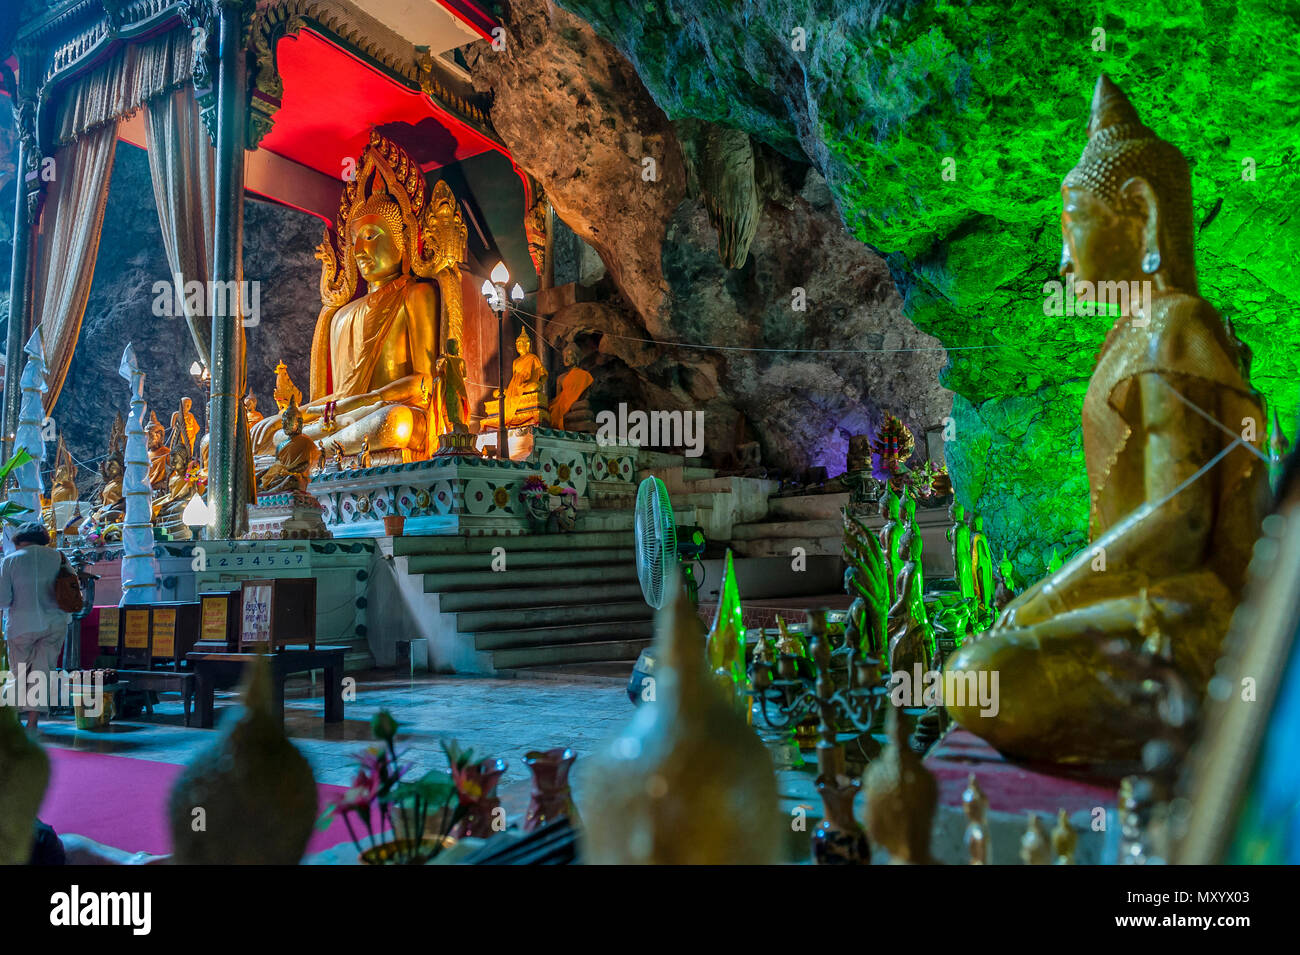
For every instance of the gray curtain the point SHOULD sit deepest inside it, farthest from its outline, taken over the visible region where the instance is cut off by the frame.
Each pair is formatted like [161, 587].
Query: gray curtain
[181, 163]
[72, 221]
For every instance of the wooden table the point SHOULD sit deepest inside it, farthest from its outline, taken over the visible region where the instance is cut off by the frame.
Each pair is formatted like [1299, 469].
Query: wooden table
[222, 670]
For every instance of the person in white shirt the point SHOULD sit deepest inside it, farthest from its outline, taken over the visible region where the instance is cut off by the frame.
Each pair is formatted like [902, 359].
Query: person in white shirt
[35, 627]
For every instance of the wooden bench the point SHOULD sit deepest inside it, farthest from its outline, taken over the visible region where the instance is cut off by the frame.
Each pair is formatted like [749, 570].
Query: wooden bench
[223, 670]
[160, 681]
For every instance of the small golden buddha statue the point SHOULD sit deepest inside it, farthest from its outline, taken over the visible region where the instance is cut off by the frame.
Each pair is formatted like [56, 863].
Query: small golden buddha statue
[250, 407]
[525, 394]
[111, 505]
[188, 425]
[185, 480]
[452, 392]
[373, 357]
[294, 458]
[64, 486]
[1175, 501]
[570, 387]
[158, 454]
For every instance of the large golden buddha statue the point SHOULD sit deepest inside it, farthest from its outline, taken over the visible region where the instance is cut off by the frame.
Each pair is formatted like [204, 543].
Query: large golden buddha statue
[1171, 429]
[373, 357]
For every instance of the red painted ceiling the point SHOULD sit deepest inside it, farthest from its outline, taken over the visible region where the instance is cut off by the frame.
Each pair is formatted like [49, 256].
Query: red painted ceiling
[332, 100]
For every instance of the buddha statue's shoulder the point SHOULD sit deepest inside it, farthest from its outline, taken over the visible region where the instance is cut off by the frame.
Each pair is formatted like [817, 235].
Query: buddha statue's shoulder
[1191, 338]
[419, 292]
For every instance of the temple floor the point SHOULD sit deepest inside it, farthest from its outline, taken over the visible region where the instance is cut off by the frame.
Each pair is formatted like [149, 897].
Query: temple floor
[583, 708]
[494, 717]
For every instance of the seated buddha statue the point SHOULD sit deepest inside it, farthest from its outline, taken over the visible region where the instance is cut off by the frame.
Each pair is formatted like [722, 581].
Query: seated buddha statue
[1176, 491]
[294, 458]
[64, 487]
[111, 504]
[183, 475]
[373, 356]
[158, 455]
[570, 387]
[525, 393]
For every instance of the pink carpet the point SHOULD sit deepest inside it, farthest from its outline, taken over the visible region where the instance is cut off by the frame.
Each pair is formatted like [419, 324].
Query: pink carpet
[122, 802]
[1011, 787]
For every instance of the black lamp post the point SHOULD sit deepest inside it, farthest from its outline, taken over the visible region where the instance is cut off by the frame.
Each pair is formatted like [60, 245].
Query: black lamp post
[495, 292]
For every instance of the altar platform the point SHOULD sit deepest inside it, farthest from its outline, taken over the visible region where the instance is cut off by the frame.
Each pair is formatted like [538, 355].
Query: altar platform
[471, 495]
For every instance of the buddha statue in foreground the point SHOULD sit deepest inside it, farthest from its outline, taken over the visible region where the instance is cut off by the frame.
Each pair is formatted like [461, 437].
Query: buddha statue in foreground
[1176, 492]
[373, 357]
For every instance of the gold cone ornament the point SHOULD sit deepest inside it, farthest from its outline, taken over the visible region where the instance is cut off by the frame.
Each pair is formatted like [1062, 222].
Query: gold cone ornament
[901, 798]
[250, 797]
[687, 782]
[725, 647]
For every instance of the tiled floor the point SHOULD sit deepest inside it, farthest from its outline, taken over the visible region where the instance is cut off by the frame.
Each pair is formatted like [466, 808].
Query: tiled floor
[494, 717]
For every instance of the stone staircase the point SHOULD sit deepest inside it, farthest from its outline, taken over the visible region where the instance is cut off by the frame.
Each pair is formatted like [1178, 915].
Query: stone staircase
[813, 522]
[561, 599]
[702, 499]
[810, 521]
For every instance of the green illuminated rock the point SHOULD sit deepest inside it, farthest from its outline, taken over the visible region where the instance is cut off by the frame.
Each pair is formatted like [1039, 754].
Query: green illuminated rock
[944, 130]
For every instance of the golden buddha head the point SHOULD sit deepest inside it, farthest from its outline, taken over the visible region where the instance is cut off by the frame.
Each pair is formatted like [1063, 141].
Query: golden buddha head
[378, 237]
[523, 344]
[1127, 205]
[452, 347]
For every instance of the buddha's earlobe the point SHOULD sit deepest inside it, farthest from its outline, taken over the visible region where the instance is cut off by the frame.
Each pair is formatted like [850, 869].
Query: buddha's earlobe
[1138, 191]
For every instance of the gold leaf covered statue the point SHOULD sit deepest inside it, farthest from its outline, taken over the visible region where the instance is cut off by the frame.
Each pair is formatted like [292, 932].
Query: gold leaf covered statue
[294, 458]
[373, 357]
[158, 453]
[452, 392]
[185, 480]
[1168, 398]
[250, 407]
[64, 487]
[687, 782]
[110, 504]
[526, 392]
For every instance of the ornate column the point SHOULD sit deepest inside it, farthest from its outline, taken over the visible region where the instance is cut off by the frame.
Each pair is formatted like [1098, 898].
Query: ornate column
[224, 458]
[26, 207]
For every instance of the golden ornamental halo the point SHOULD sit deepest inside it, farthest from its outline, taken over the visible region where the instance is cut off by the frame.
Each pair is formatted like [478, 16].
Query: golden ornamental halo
[433, 234]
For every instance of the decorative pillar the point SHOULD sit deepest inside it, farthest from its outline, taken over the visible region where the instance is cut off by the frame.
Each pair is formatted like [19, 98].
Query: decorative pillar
[224, 457]
[26, 205]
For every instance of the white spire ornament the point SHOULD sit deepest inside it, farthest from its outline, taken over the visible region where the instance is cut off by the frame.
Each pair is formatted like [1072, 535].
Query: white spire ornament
[31, 417]
[139, 576]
